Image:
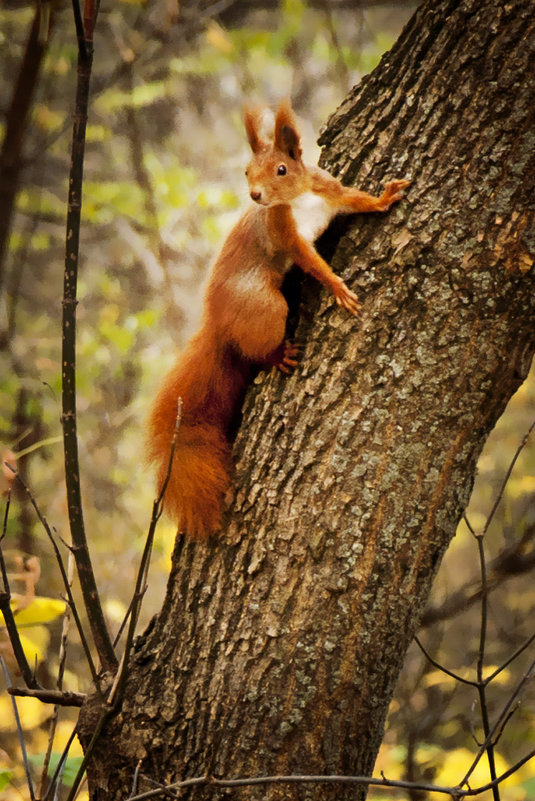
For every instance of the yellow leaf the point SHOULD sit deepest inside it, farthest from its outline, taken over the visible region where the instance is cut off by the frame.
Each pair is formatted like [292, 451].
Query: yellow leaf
[115, 610]
[217, 38]
[40, 610]
[34, 642]
[504, 677]
[390, 761]
[457, 762]
[63, 733]
[32, 713]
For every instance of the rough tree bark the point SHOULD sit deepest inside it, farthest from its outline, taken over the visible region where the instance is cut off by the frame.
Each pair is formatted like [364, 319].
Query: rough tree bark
[279, 644]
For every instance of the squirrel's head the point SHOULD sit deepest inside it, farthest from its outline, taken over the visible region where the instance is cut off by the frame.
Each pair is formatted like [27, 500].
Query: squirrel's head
[276, 173]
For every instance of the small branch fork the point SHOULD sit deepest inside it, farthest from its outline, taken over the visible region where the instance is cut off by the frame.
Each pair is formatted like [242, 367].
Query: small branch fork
[32, 684]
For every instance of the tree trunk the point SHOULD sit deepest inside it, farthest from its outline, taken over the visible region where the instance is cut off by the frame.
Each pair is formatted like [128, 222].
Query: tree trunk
[11, 161]
[279, 644]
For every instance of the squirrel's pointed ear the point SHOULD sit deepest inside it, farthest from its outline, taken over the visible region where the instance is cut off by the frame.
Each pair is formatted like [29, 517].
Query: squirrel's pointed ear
[287, 136]
[251, 119]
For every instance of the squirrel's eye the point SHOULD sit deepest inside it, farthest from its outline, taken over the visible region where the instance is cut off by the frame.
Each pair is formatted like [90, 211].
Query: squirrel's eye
[246, 172]
[281, 169]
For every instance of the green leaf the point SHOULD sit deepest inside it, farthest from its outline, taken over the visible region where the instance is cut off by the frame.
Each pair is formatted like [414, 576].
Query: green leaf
[142, 95]
[5, 777]
[70, 768]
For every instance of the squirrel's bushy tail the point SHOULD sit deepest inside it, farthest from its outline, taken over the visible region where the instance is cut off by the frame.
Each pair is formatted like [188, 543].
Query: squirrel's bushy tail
[200, 474]
[199, 477]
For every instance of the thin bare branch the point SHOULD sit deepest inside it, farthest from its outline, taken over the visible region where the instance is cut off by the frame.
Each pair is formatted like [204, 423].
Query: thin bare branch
[510, 772]
[456, 792]
[513, 560]
[165, 790]
[60, 765]
[210, 781]
[117, 690]
[139, 591]
[9, 619]
[58, 697]
[481, 684]
[508, 661]
[441, 667]
[66, 582]
[59, 684]
[107, 712]
[20, 734]
[507, 476]
[157, 509]
[498, 724]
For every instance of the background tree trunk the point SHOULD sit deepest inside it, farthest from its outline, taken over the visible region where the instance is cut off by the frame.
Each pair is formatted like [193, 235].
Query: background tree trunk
[279, 644]
[11, 151]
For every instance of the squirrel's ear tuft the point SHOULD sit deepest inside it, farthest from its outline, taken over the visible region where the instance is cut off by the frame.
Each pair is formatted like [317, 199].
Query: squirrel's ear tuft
[287, 136]
[251, 119]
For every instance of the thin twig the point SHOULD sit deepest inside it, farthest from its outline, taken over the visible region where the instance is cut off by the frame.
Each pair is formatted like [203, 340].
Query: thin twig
[20, 734]
[481, 684]
[139, 590]
[136, 778]
[509, 772]
[504, 713]
[9, 619]
[79, 25]
[470, 527]
[57, 697]
[107, 712]
[117, 690]
[340, 61]
[209, 781]
[165, 790]
[62, 657]
[441, 667]
[512, 561]
[454, 792]
[157, 509]
[508, 661]
[60, 765]
[66, 584]
[124, 621]
[497, 736]
[507, 476]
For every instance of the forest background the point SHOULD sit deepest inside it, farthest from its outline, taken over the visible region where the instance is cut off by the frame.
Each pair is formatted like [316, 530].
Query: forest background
[163, 184]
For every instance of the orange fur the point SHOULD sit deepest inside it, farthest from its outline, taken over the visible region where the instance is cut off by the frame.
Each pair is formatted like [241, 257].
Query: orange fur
[244, 316]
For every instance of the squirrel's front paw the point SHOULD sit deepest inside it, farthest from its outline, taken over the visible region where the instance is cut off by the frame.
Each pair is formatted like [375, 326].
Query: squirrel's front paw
[393, 191]
[346, 298]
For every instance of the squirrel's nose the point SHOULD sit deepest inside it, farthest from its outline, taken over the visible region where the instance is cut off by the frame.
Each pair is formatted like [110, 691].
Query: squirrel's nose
[255, 194]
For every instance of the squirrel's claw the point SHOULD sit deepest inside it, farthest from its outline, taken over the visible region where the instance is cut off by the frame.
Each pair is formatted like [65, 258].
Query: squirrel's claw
[288, 361]
[347, 299]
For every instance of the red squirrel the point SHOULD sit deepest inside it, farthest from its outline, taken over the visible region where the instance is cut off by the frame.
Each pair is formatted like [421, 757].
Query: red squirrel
[244, 316]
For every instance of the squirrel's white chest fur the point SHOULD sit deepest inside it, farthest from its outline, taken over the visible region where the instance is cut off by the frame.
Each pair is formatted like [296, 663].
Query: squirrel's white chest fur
[312, 215]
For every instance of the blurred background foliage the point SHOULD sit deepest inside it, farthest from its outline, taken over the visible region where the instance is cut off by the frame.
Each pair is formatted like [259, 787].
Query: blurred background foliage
[163, 183]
